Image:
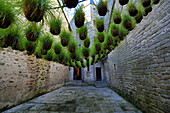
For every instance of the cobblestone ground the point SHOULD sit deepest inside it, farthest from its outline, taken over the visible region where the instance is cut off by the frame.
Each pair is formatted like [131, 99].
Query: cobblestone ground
[79, 99]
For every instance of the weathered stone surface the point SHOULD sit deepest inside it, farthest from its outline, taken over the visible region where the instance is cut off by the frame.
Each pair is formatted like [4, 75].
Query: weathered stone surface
[139, 65]
[77, 99]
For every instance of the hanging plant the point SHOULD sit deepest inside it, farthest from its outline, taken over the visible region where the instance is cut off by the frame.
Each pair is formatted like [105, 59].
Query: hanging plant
[55, 25]
[49, 55]
[47, 42]
[98, 46]
[123, 2]
[146, 3]
[132, 9]
[79, 17]
[100, 25]
[116, 41]
[32, 32]
[6, 14]
[61, 57]
[128, 22]
[139, 16]
[109, 39]
[122, 32]
[30, 47]
[43, 51]
[102, 8]
[100, 37]
[71, 3]
[72, 47]
[76, 55]
[83, 32]
[12, 38]
[85, 52]
[34, 10]
[155, 1]
[57, 48]
[65, 38]
[117, 17]
[147, 10]
[87, 42]
[114, 29]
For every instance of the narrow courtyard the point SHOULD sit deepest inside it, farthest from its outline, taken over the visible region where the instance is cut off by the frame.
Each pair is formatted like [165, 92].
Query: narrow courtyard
[77, 98]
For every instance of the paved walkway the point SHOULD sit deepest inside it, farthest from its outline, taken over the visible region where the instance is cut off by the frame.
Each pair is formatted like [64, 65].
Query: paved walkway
[77, 99]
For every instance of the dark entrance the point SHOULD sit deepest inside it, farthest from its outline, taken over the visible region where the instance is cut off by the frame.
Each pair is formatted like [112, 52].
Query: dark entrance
[98, 74]
[77, 74]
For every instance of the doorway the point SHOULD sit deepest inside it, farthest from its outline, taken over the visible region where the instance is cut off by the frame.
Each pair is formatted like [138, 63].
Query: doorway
[77, 74]
[98, 74]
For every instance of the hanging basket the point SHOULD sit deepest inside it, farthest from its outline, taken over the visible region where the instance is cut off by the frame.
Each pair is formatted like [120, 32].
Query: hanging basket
[30, 47]
[65, 38]
[57, 48]
[117, 19]
[33, 10]
[132, 9]
[109, 39]
[47, 42]
[114, 30]
[139, 18]
[79, 17]
[146, 3]
[100, 25]
[98, 47]
[72, 47]
[55, 26]
[71, 3]
[64, 42]
[32, 36]
[100, 37]
[87, 42]
[156, 1]
[123, 2]
[85, 52]
[83, 32]
[102, 8]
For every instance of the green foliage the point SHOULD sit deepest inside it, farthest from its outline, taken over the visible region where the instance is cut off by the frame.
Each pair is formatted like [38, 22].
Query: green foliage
[49, 55]
[57, 48]
[65, 37]
[72, 46]
[101, 37]
[30, 47]
[102, 8]
[87, 42]
[79, 17]
[116, 17]
[122, 32]
[114, 29]
[85, 52]
[100, 25]
[47, 41]
[55, 25]
[128, 22]
[83, 32]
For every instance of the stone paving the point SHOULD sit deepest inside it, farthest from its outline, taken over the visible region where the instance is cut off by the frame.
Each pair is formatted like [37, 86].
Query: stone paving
[77, 99]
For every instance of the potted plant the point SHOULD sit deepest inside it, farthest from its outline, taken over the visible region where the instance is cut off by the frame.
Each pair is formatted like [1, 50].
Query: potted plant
[65, 38]
[117, 17]
[155, 1]
[61, 57]
[85, 52]
[72, 46]
[147, 10]
[116, 41]
[98, 46]
[123, 2]
[100, 25]
[146, 3]
[30, 47]
[87, 42]
[57, 48]
[132, 9]
[6, 14]
[100, 37]
[122, 32]
[83, 32]
[114, 29]
[49, 55]
[46, 42]
[102, 8]
[79, 17]
[55, 25]
[139, 16]
[109, 39]
[32, 32]
[71, 3]
[128, 22]
[34, 10]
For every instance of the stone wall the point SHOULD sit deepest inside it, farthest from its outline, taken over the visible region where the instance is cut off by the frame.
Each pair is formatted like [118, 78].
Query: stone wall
[140, 66]
[23, 77]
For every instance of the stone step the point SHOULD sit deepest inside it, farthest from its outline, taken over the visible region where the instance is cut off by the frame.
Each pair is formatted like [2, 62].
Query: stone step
[100, 84]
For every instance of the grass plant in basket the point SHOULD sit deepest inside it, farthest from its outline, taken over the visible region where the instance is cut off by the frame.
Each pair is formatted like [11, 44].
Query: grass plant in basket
[122, 32]
[132, 9]
[79, 17]
[55, 25]
[123, 2]
[72, 46]
[46, 42]
[6, 14]
[139, 16]
[87, 42]
[30, 47]
[117, 17]
[128, 22]
[34, 10]
[114, 29]
[83, 32]
[100, 37]
[100, 25]
[102, 8]
[71, 3]
[32, 32]
[57, 48]
[65, 37]
[146, 3]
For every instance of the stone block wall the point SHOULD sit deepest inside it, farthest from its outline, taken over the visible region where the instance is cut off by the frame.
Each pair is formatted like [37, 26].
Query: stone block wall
[23, 77]
[140, 66]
